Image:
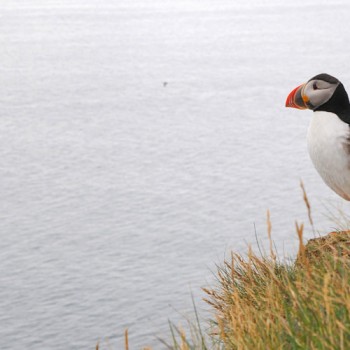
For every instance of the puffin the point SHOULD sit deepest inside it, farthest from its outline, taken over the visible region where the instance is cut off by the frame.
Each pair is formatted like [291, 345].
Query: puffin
[328, 136]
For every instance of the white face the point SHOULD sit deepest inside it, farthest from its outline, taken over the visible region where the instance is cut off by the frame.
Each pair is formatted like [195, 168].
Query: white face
[318, 92]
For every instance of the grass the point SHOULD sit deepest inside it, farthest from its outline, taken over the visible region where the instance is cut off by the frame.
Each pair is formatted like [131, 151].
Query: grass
[261, 303]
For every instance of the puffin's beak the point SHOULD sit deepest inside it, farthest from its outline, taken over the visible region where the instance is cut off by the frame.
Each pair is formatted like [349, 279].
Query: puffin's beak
[296, 99]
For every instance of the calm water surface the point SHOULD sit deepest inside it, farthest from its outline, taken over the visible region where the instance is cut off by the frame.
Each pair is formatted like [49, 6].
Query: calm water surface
[119, 193]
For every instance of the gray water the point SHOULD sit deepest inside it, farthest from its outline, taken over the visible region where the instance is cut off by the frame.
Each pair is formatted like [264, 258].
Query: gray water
[140, 142]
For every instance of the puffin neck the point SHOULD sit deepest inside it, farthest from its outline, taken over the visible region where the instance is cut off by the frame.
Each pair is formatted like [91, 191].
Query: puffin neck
[338, 104]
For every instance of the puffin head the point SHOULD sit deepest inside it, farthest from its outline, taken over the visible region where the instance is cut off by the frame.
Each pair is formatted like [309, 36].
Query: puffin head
[321, 93]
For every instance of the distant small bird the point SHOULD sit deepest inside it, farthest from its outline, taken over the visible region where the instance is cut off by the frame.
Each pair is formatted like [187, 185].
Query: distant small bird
[165, 83]
[328, 137]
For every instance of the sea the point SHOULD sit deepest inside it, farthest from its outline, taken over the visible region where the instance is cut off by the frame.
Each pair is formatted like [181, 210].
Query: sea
[140, 143]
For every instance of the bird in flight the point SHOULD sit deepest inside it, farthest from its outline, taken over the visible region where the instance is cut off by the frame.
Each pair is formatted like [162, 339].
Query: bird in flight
[328, 137]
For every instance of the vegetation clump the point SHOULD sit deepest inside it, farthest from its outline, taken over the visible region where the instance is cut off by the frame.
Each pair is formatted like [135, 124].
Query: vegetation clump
[261, 303]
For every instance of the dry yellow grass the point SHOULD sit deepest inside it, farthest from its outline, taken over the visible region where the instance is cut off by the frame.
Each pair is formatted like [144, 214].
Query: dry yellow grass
[262, 304]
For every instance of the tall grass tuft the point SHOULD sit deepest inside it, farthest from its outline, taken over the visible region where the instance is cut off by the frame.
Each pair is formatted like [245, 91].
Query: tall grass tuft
[261, 303]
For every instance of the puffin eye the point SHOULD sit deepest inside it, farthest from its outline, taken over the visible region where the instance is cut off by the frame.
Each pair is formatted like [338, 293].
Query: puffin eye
[315, 86]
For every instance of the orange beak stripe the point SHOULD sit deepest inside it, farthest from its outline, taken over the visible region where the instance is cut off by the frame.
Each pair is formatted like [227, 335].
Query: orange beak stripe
[296, 99]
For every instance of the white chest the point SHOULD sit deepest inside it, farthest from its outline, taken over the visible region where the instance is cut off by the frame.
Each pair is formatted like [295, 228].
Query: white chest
[328, 144]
